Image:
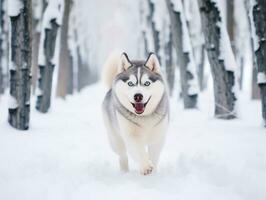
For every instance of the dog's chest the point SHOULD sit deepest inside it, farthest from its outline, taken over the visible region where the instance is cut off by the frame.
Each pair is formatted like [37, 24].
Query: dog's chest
[147, 129]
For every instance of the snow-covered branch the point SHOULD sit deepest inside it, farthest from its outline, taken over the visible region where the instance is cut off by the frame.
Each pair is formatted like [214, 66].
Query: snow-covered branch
[14, 7]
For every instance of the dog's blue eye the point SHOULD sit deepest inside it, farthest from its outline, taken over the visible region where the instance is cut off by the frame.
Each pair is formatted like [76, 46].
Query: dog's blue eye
[130, 84]
[147, 83]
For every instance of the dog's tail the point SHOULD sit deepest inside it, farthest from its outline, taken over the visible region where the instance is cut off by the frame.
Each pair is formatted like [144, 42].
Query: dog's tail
[110, 69]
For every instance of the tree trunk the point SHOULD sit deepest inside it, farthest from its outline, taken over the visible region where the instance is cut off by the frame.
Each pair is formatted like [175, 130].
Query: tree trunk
[223, 75]
[230, 21]
[255, 91]
[47, 52]
[201, 62]
[70, 82]
[46, 71]
[241, 31]
[144, 42]
[192, 13]
[35, 51]
[184, 56]
[6, 46]
[19, 107]
[83, 72]
[65, 79]
[170, 67]
[38, 10]
[155, 32]
[259, 19]
[1, 46]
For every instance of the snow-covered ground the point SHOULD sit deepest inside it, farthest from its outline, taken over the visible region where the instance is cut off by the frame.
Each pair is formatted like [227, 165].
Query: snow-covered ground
[65, 155]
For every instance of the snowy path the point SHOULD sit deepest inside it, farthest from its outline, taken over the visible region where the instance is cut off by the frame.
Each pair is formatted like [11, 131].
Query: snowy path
[65, 155]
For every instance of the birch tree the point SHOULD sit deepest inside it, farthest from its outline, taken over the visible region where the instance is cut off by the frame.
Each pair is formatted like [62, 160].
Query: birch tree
[65, 74]
[182, 43]
[83, 75]
[154, 29]
[143, 18]
[258, 25]
[169, 63]
[221, 58]
[52, 19]
[241, 38]
[1, 45]
[193, 20]
[38, 9]
[20, 63]
[163, 40]
[255, 91]
[4, 49]
[230, 21]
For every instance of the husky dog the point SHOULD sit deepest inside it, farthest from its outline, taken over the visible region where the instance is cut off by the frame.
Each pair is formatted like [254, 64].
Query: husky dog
[135, 110]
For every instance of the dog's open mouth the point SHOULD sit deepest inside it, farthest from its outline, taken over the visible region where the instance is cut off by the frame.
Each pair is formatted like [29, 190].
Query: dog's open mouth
[140, 106]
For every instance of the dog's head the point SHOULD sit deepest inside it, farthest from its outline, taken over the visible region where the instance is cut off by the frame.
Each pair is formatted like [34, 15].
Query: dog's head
[139, 85]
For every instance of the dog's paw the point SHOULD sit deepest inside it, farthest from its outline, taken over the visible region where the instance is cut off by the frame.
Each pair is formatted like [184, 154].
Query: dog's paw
[147, 169]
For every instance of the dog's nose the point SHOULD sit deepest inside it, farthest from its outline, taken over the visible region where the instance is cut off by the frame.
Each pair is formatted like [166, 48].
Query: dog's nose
[138, 97]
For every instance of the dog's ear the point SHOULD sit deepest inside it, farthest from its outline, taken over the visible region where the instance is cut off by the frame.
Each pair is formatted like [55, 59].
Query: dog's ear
[124, 63]
[152, 63]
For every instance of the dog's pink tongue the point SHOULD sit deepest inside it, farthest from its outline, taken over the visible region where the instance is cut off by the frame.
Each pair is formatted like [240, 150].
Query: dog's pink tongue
[139, 108]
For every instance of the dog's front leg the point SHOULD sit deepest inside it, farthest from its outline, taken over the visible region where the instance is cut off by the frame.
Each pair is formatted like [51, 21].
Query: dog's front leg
[138, 152]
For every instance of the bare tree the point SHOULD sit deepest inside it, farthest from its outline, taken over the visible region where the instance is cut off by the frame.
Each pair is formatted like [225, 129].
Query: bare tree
[221, 58]
[189, 85]
[230, 21]
[258, 17]
[19, 105]
[192, 16]
[65, 74]
[38, 9]
[83, 71]
[154, 30]
[169, 64]
[50, 26]
[255, 92]
[1, 46]
[144, 40]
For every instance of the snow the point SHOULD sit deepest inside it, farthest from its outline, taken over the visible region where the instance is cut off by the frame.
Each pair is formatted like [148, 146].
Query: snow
[37, 13]
[12, 102]
[53, 11]
[66, 155]
[187, 48]
[261, 78]
[12, 65]
[185, 32]
[160, 11]
[226, 52]
[111, 25]
[162, 24]
[38, 91]
[38, 7]
[177, 6]
[14, 7]
[192, 15]
[193, 87]
[255, 38]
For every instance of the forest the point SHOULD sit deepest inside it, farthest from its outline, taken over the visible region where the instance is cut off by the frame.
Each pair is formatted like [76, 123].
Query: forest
[213, 56]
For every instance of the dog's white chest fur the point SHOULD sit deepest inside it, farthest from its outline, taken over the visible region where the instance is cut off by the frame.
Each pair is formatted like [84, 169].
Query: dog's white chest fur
[148, 131]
